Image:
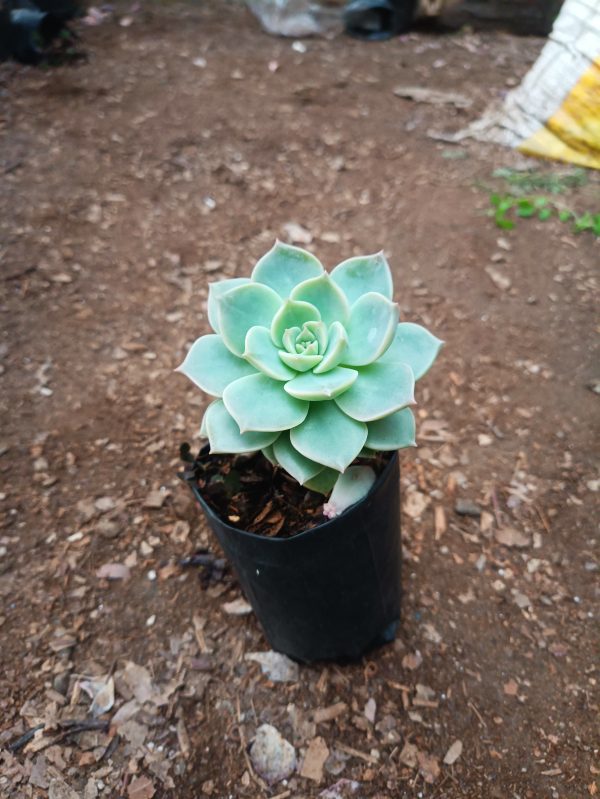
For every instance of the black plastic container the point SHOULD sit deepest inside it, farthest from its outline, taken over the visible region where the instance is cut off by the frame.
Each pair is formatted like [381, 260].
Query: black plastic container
[332, 592]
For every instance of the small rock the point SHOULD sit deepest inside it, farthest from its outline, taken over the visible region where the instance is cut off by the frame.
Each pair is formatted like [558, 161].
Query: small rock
[238, 607]
[277, 667]
[104, 504]
[453, 753]
[500, 280]
[464, 507]
[60, 682]
[370, 710]
[107, 528]
[113, 571]
[155, 500]
[510, 537]
[272, 756]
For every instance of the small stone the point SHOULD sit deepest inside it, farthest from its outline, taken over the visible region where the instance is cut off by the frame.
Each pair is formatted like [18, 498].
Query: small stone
[104, 504]
[107, 528]
[453, 753]
[60, 682]
[272, 756]
[464, 507]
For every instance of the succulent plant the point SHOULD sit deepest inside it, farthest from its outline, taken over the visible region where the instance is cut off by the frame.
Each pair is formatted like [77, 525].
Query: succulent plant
[309, 367]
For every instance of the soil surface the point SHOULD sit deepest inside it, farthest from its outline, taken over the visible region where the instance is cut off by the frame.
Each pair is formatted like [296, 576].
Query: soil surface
[175, 155]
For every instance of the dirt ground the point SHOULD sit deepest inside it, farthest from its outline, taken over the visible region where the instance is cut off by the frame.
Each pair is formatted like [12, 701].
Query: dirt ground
[175, 155]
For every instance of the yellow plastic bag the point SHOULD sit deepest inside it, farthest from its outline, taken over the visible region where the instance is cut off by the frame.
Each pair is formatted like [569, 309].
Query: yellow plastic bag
[555, 112]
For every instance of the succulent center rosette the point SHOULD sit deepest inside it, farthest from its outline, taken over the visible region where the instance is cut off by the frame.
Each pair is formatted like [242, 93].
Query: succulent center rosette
[312, 368]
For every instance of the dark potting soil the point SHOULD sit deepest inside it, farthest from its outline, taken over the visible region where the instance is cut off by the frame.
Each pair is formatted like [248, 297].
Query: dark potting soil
[251, 494]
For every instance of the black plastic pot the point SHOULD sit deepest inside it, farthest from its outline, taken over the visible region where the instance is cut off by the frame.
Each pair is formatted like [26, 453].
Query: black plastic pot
[376, 20]
[332, 592]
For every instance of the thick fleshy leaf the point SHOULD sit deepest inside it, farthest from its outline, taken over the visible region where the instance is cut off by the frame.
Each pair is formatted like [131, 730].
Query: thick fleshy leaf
[224, 434]
[316, 331]
[242, 308]
[301, 363]
[323, 482]
[336, 346]
[350, 488]
[289, 339]
[216, 290]
[325, 295]
[314, 387]
[362, 274]
[414, 345]
[260, 403]
[301, 468]
[329, 436]
[292, 314]
[212, 367]
[263, 354]
[371, 329]
[269, 454]
[392, 432]
[284, 266]
[380, 389]
[203, 430]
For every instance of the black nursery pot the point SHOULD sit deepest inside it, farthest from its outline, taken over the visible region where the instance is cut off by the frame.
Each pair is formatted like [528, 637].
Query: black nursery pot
[332, 592]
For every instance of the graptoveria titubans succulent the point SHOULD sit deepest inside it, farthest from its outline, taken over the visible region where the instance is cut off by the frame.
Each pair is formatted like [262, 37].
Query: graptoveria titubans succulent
[309, 367]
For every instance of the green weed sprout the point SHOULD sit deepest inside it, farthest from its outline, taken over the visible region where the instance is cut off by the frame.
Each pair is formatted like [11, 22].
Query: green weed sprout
[309, 367]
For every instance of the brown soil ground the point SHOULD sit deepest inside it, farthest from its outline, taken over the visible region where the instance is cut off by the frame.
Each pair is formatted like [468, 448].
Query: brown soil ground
[130, 180]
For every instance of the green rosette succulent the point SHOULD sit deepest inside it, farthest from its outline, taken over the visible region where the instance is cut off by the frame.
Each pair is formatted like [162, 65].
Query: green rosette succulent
[312, 368]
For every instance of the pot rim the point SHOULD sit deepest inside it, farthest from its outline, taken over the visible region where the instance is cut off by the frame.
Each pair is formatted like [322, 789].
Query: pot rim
[212, 515]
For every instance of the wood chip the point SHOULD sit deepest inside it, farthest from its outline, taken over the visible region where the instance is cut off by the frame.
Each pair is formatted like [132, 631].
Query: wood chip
[429, 768]
[356, 753]
[440, 522]
[323, 714]
[141, 788]
[183, 738]
[511, 537]
[314, 760]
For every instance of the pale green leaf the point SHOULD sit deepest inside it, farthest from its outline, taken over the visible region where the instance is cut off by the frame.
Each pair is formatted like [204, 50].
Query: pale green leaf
[224, 434]
[269, 454]
[301, 363]
[290, 315]
[372, 325]
[260, 403]
[323, 293]
[216, 290]
[414, 345]
[337, 342]
[289, 339]
[380, 389]
[242, 308]
[315, 331]
[350, 487]
[329, 436]
[314, 387]
[284, 266]
[323, 482]
[300, 468]
[212, 367]
[365, 273]
[263, 354]
[392, 432]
